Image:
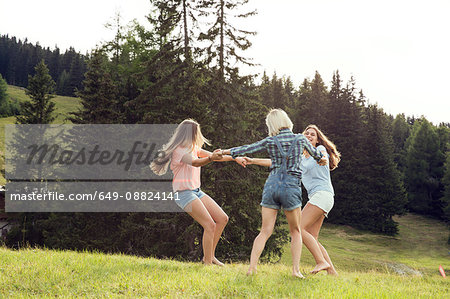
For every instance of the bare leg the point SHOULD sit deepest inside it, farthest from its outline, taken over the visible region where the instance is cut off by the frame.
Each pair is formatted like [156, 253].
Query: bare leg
[221, 220]
[311, 215]
[201, 215]
[269, 216]
[314, 230]
[294, 218]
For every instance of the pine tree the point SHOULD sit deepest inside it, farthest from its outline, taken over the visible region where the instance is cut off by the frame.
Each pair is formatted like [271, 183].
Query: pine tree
[40, 88]
[225, 41]
[98, 98]
[424, 168]
[302, 107]
[384, 192]
[75, 75]
[400, 133]
[446, 182]
[345, 127]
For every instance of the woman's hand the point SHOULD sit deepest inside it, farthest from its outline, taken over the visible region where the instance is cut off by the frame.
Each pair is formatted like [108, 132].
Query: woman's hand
[248, 160]
[241, 161]
[323, 161]
[216, 155]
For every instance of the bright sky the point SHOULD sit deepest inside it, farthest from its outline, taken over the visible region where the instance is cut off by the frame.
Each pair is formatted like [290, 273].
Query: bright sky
[397, 50]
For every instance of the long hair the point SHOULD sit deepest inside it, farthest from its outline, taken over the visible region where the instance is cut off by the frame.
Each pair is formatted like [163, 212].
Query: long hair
[276, 120]
[188, 135]
[335, 156]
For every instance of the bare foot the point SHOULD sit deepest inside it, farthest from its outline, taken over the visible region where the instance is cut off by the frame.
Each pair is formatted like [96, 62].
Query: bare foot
[320, 267]
[332, 271]
[251, 272]
[298, 274]
[215, 261]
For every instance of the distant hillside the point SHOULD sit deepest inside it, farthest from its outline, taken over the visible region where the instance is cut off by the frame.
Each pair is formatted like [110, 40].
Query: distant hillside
[18, 59]
[64, 105]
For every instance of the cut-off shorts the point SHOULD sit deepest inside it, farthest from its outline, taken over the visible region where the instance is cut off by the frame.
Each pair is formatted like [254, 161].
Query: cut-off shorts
[185, 197]
[282, 192]
[324, 200]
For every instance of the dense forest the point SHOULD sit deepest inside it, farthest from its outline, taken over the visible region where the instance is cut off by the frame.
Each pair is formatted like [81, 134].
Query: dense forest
[180, 69]
[18, 59]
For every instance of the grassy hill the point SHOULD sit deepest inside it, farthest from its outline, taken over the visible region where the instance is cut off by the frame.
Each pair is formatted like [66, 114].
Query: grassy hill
[64, 105]
[361, 258]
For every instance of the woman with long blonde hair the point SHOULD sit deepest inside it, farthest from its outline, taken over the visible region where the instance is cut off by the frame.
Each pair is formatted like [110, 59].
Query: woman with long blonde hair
[185, 156]
[317, 181]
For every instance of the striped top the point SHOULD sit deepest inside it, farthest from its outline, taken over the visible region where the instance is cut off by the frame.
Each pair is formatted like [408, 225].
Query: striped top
[285, 137]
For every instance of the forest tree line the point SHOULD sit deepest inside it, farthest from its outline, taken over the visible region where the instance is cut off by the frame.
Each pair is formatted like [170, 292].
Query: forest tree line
[18, 59]
[178, 70]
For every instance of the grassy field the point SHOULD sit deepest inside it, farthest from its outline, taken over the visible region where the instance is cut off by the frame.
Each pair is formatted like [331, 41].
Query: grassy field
[64, 105]
[360, 257]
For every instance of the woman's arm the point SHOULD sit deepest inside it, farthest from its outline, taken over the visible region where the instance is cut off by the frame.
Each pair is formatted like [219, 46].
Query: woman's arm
[258, 161]
[198, 162]
[246, 149]
[225, 158]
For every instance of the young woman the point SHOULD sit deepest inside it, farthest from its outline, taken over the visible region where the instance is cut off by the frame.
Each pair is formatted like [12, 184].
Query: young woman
[317, 182]
[282, 187]
[185, 155]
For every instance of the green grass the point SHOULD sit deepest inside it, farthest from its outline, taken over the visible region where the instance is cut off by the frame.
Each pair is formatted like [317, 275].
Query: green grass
[421, 245]
[63, 105]
[49, 273]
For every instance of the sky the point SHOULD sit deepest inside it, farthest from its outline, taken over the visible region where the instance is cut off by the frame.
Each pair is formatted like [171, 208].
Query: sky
[397, 50]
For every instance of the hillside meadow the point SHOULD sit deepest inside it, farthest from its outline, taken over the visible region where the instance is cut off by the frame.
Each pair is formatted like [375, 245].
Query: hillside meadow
[64, 105]
[368, 266]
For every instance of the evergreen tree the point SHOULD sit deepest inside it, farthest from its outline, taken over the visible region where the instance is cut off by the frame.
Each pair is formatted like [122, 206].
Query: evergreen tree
[302, 108]
[400, 133]
[384, 194]
[98, 98]
[345, 127]
[75, 75]
[424, 168]
[446, 181]
[225, 41]
[62, 86]
[40, 88]
[319, 99]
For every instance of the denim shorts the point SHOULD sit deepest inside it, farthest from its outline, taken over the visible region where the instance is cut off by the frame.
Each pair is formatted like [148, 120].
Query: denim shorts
[185, 197]
[282, 191]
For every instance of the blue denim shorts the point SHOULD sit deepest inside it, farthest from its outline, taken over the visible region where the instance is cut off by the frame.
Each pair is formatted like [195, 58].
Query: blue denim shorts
[185, 197]
[282, 191]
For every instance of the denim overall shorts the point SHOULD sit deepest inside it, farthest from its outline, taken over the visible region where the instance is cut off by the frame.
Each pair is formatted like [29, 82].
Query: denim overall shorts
[282, 190]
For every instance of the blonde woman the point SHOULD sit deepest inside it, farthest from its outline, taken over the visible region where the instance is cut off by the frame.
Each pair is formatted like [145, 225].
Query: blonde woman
[317, 181]
[185, 155]
[282, 187]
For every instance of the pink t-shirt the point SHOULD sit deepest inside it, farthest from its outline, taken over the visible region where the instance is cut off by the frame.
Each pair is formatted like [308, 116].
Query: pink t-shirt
[185, 176]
